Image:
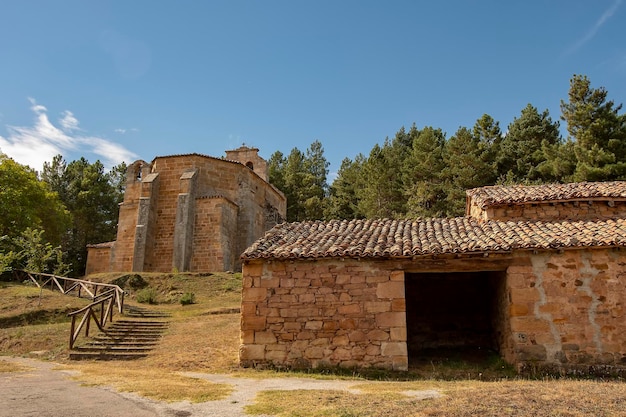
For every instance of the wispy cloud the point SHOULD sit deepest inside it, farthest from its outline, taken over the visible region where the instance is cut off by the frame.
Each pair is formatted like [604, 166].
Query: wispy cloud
[39, 143]
[123, 131]
[591, 33]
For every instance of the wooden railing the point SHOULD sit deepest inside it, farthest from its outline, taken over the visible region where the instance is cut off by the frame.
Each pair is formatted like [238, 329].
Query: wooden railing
[106, 302]
[105, 296]
[80, 287]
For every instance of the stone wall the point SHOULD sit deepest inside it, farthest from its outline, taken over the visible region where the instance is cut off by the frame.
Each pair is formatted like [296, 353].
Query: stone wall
[567, 309]
[214, 246]
[98, 258]
[325, 313]
[580, 210]
[559, 309]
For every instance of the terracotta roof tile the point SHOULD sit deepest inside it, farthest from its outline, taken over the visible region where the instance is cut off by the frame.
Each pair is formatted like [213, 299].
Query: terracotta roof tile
[520, 194]
[375, 238]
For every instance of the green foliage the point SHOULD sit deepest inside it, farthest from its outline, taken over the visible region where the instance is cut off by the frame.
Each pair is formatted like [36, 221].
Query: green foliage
[302, 177]
[187, 298]
[524, 149]
[146, 296]
[33, 253]
[92, 198]
[597, 130]
[26, 202]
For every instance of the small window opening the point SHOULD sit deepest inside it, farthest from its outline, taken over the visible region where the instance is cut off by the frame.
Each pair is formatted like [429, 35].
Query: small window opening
[250, 165]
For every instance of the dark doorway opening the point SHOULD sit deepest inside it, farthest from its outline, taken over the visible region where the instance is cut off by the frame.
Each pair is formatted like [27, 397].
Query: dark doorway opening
[454, 314]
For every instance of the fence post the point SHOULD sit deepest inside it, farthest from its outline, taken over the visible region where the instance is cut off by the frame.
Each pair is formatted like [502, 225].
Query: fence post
[72, 332]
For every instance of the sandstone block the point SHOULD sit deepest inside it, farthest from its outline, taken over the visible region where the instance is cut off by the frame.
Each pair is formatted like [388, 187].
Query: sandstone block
[314, 325]
[518, 310]
[276, 356]
[378, 335]
[377, 306]
[343, 340]
[252, 323]
[393, 349]
[254, 294]
[247, 337]
[252, 269]
[264, 338]
[397, 276]
[252, 352]
[392, 319]
[398, 334]
[354, 308]
[398, 304]
[314, 353]
[357, 336]
[390, 290]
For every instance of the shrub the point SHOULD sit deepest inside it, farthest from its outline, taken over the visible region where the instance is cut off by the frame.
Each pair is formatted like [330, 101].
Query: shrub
[147, 296]
[188, 298]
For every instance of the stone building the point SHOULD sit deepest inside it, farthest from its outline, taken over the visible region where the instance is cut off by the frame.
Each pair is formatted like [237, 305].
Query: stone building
[190, 213]
[536, 273]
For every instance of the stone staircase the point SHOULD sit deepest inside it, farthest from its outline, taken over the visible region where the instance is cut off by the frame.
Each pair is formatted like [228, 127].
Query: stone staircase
[129, 338]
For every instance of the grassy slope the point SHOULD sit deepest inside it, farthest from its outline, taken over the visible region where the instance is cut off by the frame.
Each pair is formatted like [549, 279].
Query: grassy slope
[199, 341]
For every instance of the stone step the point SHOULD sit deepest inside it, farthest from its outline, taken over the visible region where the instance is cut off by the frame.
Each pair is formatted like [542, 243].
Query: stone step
[129, 339]
[106, 356]
[106, 348]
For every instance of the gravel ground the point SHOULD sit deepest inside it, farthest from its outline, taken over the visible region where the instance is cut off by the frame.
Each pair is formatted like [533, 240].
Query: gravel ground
[44, 391]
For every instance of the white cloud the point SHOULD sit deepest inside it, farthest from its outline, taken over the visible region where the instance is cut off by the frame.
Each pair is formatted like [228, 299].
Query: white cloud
[608, 13]
[68, 121]
[39, 143]
[123, 131]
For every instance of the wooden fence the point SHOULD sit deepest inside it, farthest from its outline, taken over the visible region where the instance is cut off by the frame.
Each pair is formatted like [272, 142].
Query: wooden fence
[105, 298]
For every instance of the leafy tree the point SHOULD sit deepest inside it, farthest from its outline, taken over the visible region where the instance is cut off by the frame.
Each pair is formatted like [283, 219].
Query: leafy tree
[92, 197]
[33, 253]
[597, 130]
[523, 149]
[26, 202]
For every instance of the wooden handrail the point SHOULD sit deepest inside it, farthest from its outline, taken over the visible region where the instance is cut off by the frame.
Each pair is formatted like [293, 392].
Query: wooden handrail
[89, 313]
[91, 288]
[100, 293]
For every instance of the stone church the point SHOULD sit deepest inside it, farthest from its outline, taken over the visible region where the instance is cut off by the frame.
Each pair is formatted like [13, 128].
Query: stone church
[190, 213]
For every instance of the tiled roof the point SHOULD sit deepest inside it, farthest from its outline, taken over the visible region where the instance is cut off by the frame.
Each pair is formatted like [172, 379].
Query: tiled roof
[102, 245]
[519, 194]
[408, 238]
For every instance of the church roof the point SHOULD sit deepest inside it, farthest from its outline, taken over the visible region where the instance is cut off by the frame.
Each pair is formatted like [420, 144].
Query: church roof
[384, 238]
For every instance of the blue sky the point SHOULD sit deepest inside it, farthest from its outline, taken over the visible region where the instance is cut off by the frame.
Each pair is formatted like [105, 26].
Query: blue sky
[127, 80]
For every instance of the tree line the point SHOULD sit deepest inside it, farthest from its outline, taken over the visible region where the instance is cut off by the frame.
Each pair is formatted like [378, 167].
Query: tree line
[422, 173]
[48, 218]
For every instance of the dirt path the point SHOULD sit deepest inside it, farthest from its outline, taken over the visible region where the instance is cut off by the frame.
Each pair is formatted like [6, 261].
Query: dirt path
[44, 391]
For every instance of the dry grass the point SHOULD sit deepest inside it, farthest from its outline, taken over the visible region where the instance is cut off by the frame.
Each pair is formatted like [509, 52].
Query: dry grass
[201, 342]
[6, 367]
[155, 383]
[566, 398]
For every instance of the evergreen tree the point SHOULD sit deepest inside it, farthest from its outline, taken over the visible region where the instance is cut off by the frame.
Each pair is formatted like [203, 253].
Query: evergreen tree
[464, 167]
[92, 198]
[521, 152]
[597, 130]
[424, 187]
[342, 199]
